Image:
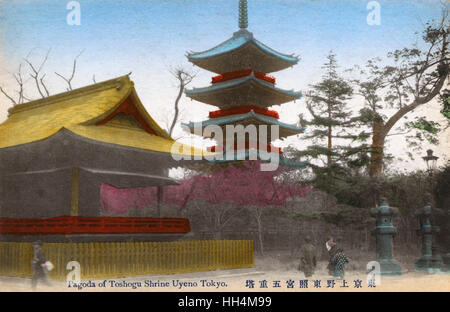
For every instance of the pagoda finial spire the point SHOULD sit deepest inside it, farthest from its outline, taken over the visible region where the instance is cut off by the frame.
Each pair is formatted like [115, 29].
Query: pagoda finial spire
[243, 17]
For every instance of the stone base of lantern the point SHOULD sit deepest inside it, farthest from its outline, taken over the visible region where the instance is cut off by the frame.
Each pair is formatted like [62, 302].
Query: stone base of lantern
[425, 264]
[388, 267]
[446, 263]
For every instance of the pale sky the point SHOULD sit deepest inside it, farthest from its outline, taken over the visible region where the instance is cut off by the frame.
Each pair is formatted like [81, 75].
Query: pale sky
[148, 38]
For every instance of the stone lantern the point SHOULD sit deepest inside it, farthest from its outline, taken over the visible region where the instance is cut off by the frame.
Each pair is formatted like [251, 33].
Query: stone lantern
[441, 240]
[384, 233]
[430, 261]
[446, 241]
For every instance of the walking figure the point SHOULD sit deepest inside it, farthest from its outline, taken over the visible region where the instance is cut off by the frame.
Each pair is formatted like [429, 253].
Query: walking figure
[307, 258]
[40, 266]
[337, 260]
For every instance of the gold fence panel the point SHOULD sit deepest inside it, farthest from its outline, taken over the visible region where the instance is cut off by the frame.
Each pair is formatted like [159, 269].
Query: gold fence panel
[100, 260]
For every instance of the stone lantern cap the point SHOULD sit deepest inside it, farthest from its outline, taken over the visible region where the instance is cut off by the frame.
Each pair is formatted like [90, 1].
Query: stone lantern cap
[383, 209]
[425, 211]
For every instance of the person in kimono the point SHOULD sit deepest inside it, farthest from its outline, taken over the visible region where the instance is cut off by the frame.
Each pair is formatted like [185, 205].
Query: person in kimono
[38, 264]
[338, 260]
[308, 260]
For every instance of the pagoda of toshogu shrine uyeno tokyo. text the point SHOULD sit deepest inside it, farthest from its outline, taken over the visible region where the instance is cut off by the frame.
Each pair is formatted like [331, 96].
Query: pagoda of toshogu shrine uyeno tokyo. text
[243, 91]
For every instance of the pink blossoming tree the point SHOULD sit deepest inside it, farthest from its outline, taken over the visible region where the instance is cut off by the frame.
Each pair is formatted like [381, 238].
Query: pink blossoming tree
[225, 189]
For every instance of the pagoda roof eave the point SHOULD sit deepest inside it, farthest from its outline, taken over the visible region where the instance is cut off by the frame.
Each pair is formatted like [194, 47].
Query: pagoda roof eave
[291, 129]
[236, 82]
[201, 94]
[208, 59]
[245, 154]
[134, 179]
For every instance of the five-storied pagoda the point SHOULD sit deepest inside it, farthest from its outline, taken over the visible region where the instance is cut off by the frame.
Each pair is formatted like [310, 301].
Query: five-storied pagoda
[243, 91]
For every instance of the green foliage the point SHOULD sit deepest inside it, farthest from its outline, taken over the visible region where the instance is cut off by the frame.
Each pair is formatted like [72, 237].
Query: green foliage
[409, 77]
[425, 130]
[404, 191]
[445, 99]
[332, 121]
[442, 187]
[424, 125]
[339, 218]
[306, 216]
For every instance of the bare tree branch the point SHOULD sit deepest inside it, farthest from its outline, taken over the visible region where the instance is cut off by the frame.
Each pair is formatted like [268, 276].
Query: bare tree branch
[26, 98]
[419, 101]
[428, 69]
[36, 72]
[399, 133]
[74, 66]
[184, 78]
[9, 97]
[19, 80]
[44, 86]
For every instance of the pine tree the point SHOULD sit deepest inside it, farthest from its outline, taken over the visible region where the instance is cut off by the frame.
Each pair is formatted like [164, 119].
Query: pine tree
[445, 100]
[332, 126]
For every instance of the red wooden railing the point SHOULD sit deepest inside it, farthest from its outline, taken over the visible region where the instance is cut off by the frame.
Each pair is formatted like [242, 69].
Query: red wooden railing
[92, 225]
[243, 110]
[242, 73]
[265, 77]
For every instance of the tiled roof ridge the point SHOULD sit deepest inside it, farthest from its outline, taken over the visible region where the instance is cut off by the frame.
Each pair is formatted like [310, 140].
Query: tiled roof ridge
[117, 83]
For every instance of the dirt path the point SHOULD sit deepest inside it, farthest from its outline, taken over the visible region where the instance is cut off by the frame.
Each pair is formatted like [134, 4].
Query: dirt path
[243, 279]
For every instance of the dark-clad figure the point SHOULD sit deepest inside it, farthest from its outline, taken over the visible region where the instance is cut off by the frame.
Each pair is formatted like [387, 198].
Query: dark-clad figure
[307, 258]
[40, 272]
[337, 260]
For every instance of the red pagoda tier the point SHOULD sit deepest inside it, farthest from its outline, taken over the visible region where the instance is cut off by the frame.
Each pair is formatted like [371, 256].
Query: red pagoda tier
[242, 73]
[247, 90]
[242, 110]
[243, 91]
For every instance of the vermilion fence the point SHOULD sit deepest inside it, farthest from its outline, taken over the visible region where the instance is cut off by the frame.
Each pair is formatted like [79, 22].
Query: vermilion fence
[92, 225]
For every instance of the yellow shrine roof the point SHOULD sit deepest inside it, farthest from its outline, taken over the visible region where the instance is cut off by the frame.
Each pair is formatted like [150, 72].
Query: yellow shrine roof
[79, 111]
